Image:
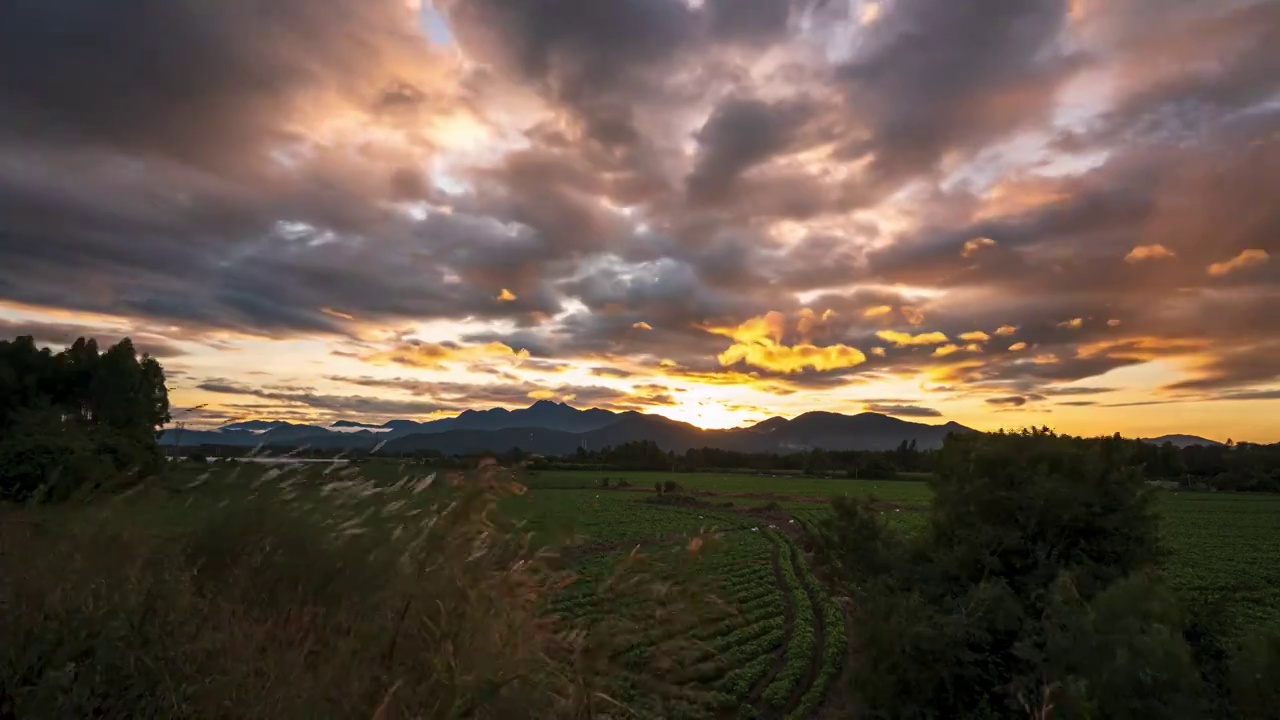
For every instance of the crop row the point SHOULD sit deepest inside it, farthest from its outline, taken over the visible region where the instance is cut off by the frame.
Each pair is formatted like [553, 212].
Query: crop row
[833, 649]
[746, 652]
[799, 651]
[739, 682]
[745, 634]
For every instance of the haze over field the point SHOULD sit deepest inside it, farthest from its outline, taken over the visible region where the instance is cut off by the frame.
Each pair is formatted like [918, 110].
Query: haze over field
[998, 213]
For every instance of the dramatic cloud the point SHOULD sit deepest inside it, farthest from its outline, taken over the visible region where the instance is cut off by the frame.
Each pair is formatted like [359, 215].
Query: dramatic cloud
[758, 342]
[1246, 259]
[758, 206]
[329, 404]
[902, 339]
[1148, 252]
[416, 353]
[903, 410]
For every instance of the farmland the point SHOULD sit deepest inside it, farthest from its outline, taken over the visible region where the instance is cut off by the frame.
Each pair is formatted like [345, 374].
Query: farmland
[706, 600]
[752, 659]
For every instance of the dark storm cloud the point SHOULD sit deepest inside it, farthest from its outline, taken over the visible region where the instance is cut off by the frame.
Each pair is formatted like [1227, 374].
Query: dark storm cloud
[575, 49]
[939, 76]
[204, 82]
[750, 21]
[144, 177]
[740, 133]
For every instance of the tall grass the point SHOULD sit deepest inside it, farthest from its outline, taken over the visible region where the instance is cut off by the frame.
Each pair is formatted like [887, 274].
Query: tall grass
[302, 594]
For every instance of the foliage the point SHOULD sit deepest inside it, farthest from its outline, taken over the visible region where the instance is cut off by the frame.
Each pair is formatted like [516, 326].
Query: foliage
[76, 417]
[296, 600]
[1030, 592]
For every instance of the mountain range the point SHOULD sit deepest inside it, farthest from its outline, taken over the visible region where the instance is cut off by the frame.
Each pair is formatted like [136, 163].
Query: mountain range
[552, 428]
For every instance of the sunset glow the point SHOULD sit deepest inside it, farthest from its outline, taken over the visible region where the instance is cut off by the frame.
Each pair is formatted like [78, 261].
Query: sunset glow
[717, 212]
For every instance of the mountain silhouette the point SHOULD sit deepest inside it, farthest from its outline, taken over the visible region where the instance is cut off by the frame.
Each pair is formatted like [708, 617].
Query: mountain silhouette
[552, 428]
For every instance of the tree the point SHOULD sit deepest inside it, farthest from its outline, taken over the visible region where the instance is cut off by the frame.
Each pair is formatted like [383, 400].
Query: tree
[1028, 593]
[78, 416]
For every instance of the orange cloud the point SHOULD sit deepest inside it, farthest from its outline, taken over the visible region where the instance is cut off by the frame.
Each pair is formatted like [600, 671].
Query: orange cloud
[795, 358]
[972, 247]
[950, 349]
[1005, 330]
[807, 320]
[877, 311]
[506, 296]
[435, 355]
[1113, 323]
[878, 351]
[334, 313]
[758, 342]
[642, 326]
[1018, 346]
[1141, 348]
[902, 339]
[1246, 259]
[975, 336]
[1148, 252]
[913, 315]
[1073, 323]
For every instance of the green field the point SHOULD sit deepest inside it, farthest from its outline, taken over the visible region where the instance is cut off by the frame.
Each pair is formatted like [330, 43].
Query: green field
[709, 605]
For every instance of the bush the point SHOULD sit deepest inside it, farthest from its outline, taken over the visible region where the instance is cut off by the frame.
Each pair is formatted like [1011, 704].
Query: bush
[670, 486]
[1029, 593]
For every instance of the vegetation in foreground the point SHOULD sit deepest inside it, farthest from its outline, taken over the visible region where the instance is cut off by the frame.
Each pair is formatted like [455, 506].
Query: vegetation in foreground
[1033, 592]
[265, 607]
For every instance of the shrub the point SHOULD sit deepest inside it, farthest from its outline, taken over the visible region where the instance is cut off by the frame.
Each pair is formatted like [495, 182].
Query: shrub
[1027, 595]
[671, 486]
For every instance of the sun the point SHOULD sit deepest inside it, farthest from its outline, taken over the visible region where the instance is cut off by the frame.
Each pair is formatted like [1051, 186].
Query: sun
[709, 415]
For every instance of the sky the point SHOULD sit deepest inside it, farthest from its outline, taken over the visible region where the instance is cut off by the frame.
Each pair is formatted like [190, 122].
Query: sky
[1000, 212]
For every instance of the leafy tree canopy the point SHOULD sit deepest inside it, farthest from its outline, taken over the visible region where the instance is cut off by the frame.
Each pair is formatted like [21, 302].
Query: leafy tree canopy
[76, 416]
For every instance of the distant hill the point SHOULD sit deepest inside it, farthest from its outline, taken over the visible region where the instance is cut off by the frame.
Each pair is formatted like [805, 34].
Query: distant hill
[767, 426]
[1180, 441]
[551, 428]
[255, 425]
[864, 431]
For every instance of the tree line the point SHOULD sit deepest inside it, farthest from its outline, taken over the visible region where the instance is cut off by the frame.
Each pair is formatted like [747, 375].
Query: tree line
[77, 417]
[1238, 467]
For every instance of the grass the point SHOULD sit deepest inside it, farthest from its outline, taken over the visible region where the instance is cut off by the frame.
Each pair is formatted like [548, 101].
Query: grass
[252, 595]
[364, 591]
